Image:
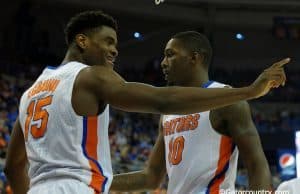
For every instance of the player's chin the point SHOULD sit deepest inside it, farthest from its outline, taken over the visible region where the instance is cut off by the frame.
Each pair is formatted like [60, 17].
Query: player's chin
[109, 64]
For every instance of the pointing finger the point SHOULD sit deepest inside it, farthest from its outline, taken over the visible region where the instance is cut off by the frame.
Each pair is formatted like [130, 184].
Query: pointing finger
[281, 63]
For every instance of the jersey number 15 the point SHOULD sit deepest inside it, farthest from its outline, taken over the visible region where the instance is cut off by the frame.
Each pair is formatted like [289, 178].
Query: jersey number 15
[36, 112]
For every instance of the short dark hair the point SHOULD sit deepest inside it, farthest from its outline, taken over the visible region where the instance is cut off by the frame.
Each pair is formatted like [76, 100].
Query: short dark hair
[87, 21]
[196, 42]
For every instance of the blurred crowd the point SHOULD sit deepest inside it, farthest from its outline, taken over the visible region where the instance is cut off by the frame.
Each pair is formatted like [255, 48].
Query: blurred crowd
[132, 135]
[11, 90]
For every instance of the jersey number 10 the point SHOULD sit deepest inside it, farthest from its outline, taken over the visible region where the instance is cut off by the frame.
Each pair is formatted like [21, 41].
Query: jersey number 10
[175, 150]
[35, 112]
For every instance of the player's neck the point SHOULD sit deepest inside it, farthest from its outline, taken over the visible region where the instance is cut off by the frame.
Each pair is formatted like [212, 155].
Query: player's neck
[197, 80]
[72, 56]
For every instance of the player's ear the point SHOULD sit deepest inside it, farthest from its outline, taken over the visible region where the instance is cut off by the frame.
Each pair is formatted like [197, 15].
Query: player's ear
[197, 57]
[81, 41]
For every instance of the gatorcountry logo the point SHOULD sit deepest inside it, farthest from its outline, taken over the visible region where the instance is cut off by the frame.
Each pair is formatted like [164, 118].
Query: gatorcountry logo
[287, 160]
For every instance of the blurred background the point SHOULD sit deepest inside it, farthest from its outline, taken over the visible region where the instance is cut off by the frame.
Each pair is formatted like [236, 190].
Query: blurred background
[246, 35]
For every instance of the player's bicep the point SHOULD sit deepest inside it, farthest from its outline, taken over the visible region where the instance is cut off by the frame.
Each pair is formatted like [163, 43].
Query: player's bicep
[244, 133]
[135, 97]
[16, 154]
[110, 87]
[239, 120]
[250, 147]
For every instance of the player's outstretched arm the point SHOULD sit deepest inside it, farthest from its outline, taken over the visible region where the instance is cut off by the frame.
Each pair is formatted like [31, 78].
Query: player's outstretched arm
[16, 162]
[242, 130]
[150, 177]
[108, 86]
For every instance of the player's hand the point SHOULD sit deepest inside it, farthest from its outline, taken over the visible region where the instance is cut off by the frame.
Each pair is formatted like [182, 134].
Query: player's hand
[272, 77]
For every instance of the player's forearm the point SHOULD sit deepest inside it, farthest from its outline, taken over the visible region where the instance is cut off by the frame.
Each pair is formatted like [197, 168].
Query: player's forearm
[18, 179]
[199, 99]
[138, 97]
[134, 181]
[260, 178]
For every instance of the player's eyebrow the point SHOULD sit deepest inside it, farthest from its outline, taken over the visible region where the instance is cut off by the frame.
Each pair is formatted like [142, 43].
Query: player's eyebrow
[110, 38]
[168, 50]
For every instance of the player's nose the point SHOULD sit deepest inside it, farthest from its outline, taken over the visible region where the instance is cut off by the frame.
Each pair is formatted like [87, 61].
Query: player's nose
[164, 63]
[114, 52]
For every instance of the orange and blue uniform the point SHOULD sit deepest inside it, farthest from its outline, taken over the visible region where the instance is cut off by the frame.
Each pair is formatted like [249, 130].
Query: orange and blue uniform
[199, 160]
[60, 144]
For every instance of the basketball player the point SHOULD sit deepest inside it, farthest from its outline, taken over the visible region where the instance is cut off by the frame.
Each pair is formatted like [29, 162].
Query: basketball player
[63, 117]
[199, 151]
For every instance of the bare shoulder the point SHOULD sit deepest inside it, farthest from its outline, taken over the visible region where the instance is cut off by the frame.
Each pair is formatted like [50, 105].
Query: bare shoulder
[96, 78]
[94, 74]
[231, 118]
[94, 84]
[236, 114]
[233, 110]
